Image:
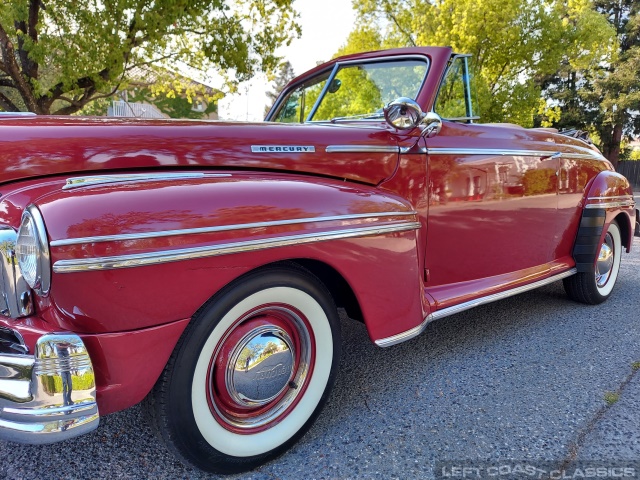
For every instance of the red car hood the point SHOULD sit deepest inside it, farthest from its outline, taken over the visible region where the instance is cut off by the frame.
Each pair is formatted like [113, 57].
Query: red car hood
[44, 146]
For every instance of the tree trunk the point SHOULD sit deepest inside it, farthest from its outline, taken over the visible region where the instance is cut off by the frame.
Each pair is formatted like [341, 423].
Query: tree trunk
[611, 147]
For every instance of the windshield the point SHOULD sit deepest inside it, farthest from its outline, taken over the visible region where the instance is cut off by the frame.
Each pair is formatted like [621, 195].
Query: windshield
[355, 91]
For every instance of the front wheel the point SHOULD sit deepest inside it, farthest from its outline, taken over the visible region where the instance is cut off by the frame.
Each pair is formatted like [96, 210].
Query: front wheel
[251, 372]
[595, 286]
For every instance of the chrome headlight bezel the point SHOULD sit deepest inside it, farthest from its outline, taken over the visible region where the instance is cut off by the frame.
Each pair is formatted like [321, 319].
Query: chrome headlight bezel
[40, 280]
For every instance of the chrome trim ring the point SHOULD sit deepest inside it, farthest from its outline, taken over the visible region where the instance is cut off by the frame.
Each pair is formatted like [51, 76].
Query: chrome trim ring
[277, 392]
[155, 258]
[445, 312]
[604, 263]
[224, 228]
[43, 272]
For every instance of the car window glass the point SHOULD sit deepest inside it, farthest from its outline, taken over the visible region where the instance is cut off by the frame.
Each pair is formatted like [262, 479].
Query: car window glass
[296, 106]
[363, 89]
[451, 101]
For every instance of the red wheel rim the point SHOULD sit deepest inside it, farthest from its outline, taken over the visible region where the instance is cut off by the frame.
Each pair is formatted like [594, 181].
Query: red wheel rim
[250, 396]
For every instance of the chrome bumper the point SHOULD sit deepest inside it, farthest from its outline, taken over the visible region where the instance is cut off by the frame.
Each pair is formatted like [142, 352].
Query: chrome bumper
[49, 396]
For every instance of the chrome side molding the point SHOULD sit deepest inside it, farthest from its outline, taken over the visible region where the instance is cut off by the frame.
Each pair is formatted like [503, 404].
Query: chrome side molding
[445, 312]
[165, 256]
[225, 228]
[611, 202]
[95, 180]
[588, 154]
[361, 149]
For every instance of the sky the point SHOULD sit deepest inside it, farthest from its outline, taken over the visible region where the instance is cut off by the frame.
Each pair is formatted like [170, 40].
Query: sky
[325, 27]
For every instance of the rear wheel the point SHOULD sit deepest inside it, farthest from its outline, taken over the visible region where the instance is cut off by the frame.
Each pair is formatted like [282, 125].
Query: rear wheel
[595, 286]
[251, 372]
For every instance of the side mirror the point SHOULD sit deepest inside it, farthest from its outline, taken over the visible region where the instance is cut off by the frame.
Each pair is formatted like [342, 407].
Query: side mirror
[403, 114]
[432, 124]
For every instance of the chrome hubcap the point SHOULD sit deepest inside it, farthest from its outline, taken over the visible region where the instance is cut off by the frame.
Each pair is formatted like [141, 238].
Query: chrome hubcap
[604, 264]
[260, 369]
[260, 366]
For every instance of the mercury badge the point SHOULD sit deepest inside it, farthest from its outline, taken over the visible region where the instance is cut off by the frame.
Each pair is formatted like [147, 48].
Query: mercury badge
[282, 149]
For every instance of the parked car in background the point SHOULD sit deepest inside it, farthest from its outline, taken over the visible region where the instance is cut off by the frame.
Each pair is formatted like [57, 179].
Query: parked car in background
[198, 265]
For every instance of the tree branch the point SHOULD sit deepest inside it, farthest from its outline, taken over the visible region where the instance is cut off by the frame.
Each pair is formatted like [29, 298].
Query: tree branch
[402, 30]
[78, 104]
[13, 69]
[88, 82]
[29, 67]
[7, 104]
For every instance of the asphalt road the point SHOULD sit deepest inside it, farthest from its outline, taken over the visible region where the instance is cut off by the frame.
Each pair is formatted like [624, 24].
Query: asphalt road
[522, 379]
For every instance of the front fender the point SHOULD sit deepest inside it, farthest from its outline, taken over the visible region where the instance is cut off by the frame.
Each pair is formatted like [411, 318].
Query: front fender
[128, 255]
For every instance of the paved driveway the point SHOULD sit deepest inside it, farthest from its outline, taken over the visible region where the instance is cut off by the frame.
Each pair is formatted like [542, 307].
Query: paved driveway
[521, 379]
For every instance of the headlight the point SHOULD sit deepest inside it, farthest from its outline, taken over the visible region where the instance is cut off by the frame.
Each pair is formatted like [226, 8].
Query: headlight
[32, 250]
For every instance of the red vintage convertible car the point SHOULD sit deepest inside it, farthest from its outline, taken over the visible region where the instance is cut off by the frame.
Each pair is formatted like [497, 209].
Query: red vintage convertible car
[198, 265]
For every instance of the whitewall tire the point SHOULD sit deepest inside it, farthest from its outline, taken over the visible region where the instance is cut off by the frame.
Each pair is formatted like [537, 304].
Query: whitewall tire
[595, 286]
[251, 372]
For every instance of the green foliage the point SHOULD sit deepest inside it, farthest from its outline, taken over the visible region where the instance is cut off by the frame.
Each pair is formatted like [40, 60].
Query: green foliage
[513, 42]
[58, 55]
[611, 397]
[604, 98]
[173, 102]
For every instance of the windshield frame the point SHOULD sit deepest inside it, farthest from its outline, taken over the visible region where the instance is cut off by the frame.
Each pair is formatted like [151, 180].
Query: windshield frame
[334, 71]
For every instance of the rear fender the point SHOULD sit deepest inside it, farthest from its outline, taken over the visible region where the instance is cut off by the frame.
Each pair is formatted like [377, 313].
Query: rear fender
[608, 198]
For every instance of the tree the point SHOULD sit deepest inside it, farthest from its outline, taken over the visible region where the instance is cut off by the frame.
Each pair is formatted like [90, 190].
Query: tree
[513, 42]
[283, 77]
[57, 56]
[604, 98]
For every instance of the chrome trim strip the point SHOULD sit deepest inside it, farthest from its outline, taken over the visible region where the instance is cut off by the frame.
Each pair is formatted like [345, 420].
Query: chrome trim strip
[445, 312]
[624, 197]
[64, 410]
[92, 180]
[627, 203]
[413, 149]
[222, 228]
[17, 114]
[361, 149]
[154, 258]
[500, 152]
